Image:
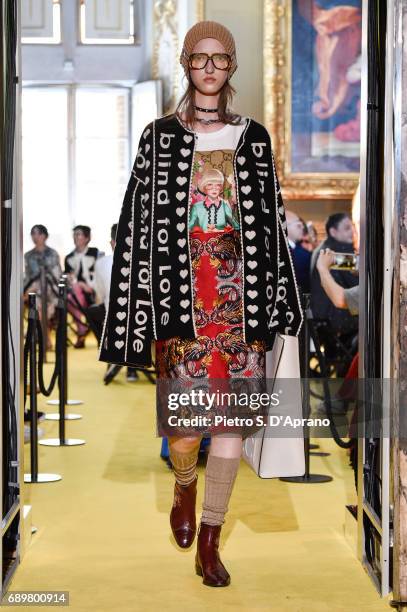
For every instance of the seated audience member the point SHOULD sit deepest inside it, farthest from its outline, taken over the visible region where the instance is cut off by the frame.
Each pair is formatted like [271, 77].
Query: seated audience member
[80, 267]
[339, 230]
[96, 313]
[301, 257]
[42, 257]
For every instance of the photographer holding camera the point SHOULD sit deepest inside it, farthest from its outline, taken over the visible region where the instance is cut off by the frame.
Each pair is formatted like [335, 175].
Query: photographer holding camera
[341, 297]
[345, 299]
[340, 235]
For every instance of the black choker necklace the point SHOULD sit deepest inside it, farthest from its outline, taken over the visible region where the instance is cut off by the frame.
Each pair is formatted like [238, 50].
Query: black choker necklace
[207, 121]
[206, 110]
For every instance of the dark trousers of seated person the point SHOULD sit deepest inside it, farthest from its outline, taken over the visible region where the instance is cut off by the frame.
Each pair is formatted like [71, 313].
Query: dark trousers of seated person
[95, 315]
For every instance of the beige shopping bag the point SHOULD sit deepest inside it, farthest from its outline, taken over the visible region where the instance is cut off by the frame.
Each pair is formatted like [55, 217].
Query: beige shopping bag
[269, 455]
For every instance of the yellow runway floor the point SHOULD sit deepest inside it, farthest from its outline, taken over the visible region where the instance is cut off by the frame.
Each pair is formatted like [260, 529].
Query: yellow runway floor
[103, 530]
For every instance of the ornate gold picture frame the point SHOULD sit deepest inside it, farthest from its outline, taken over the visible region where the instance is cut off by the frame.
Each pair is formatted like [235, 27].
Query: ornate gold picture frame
[312, 106]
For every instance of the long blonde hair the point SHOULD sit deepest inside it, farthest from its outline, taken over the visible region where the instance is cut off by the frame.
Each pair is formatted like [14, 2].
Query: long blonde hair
[187, 101]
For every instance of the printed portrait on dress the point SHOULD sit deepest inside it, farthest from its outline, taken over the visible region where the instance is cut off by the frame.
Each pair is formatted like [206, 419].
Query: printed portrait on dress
[213, 201]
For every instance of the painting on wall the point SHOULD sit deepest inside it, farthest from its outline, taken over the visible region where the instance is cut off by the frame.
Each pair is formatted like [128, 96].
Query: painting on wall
[312, 51]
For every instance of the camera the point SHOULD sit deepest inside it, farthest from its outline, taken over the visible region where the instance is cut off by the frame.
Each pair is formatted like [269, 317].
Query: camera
[346, 261]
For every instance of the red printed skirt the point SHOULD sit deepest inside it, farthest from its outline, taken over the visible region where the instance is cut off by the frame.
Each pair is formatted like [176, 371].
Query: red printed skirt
[219, 351]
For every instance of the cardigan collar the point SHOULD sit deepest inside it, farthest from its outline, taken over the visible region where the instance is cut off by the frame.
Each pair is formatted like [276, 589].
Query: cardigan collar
[174, 120]
[183, 126]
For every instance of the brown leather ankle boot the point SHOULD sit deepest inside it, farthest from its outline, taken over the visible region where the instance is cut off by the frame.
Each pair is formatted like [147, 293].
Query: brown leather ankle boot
[207, 560]
[183, 517]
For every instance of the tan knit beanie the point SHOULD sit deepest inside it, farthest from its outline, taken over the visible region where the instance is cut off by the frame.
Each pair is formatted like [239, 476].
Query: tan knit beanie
[208, 29]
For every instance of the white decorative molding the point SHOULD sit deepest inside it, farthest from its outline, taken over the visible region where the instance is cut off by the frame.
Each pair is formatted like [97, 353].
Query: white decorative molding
[200, 10]
[171, 21]
[166, 50]
[107, 19]
[37, 18]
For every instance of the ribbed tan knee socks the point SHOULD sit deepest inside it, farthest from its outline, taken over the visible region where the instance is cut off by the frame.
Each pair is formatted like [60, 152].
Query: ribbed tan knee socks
[184, 464]
[220, 476]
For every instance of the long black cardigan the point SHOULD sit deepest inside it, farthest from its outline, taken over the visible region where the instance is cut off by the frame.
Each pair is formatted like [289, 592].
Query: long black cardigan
[151, 293]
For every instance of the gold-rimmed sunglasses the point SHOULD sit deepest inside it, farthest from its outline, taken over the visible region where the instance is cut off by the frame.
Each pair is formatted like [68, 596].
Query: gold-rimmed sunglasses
[198, 61]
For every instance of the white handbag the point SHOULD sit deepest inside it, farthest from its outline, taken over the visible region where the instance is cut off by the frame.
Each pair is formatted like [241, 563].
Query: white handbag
[267, 454]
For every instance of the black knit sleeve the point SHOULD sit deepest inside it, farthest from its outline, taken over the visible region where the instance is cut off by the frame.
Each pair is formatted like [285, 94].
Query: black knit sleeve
[288, 309]
[127, 331]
